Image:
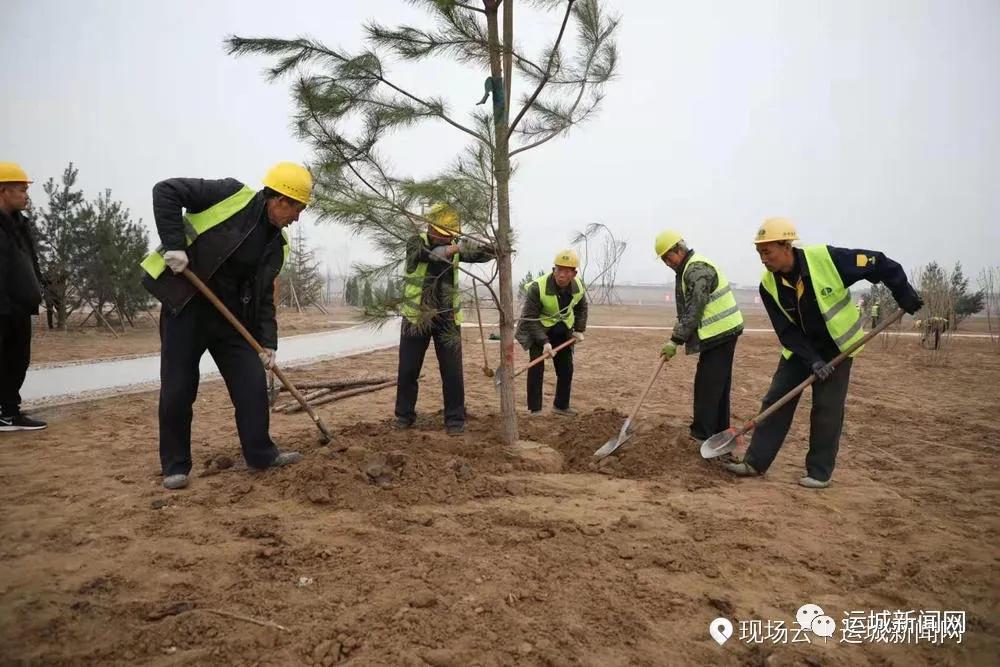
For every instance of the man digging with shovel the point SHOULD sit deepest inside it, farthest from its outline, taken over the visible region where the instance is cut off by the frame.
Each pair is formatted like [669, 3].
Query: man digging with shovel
[232, 238]
[805, 291]
[708, 324]
[554, 311]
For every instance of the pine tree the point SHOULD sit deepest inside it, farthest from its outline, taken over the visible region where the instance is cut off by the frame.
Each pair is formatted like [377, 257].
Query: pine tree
[357, 188]
[301, 277]
[61, 226]
[964, 303]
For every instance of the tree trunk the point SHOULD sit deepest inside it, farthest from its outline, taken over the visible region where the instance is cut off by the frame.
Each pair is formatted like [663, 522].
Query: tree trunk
[501, 168]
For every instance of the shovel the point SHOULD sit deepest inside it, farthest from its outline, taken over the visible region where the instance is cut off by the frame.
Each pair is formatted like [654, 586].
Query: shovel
[725, 441]
[539, 359]
[623, 435]
[326, 436]
[487, 371]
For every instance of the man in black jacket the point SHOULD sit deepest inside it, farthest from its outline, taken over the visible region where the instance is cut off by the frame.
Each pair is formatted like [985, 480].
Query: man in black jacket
[231, 237]
[555, 310]
[807, 297]
[20, 295]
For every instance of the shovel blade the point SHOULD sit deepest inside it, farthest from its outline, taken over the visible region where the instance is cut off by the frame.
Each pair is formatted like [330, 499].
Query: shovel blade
[614, 443]
[719, 444]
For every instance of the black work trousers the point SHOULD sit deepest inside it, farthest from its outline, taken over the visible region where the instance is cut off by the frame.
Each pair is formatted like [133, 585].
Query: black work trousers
[448, 346]
[563, 361]
[184, 338]
[712, 384]
[825, 422]
[15, 355]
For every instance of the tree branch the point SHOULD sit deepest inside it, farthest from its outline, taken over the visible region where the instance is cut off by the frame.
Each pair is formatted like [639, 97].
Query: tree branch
[548, 69]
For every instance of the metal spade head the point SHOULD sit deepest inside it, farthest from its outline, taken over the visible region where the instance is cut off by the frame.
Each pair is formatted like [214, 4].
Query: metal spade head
[615, 442]
[719, 444]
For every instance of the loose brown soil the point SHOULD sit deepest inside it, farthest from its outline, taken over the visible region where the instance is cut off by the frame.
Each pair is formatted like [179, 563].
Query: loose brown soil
[412, 548]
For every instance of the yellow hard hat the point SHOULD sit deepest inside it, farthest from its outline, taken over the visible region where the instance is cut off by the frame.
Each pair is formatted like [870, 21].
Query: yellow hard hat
[290, 179]
[11, 172]
[567, 258]
[776, 229]
[444, 220]
[666, 240]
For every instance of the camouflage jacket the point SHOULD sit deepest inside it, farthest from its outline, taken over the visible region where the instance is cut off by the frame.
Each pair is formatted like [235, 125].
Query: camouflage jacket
[701, 280]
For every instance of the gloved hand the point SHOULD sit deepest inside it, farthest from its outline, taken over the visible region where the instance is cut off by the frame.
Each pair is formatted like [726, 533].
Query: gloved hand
[440, 252]
[468, 247]
[822, 370]
[669, 350]
[267, 357]
[177, 260]
[547, 349]
[912, 302]
[578, 335]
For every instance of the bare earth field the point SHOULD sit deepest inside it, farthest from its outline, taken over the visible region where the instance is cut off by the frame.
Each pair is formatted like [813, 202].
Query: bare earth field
[463, 555]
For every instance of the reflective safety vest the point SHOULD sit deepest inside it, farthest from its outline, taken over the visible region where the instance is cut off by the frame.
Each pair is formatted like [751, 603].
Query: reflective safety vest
[833, 298]
[196, 224]
[551, 315]
[413, 289]
[721, 314]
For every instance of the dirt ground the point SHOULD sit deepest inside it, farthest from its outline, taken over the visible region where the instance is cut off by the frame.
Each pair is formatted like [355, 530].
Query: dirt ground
[412, 548]
[86, 343]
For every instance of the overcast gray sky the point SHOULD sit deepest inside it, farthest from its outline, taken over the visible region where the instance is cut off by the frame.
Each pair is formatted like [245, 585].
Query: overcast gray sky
[870, 123]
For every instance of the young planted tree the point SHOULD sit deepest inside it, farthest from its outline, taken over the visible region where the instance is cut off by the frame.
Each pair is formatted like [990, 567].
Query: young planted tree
[348, 102]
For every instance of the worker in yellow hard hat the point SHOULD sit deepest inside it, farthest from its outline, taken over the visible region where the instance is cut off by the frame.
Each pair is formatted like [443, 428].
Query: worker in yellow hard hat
[807, 297]
[20, 295]
[431, 309]
[708, 324]
[233, 238]
[554, 310]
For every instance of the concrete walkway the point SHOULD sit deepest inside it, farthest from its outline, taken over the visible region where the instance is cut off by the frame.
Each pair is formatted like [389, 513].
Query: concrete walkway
[55, 385]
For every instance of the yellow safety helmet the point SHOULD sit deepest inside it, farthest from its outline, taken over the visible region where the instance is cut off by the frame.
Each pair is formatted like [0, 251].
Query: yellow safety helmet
[567, 258]
[666, 240]
[290, 179]
[444, 219]
[776, 229]
[11, 172]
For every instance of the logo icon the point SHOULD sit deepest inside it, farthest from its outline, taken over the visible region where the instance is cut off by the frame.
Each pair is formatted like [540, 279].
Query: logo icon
[827, 291]
[824, 626]
[721, 629]
[806, 614]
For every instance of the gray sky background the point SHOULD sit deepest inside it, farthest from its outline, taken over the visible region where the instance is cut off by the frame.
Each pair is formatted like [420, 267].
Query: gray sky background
[870, 123]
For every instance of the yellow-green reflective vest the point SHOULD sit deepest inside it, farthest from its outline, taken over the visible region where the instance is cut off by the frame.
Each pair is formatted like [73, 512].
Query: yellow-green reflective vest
[413, 290]
[721, 314]
[833, 298]
[551, 315]
[196, 224]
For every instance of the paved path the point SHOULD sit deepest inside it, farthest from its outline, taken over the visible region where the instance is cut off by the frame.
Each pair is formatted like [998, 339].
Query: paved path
[72, 382]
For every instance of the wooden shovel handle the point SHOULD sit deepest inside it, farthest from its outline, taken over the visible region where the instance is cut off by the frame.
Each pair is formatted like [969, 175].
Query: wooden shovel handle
[221, 307]
[542, 358]
[645, 391]
[781, 402]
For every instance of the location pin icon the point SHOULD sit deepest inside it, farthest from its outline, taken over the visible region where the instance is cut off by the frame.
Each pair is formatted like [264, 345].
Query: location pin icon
[721, 630]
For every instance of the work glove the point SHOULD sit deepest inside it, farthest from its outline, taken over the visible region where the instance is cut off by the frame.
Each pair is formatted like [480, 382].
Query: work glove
[547, 349]
[177, 260]
[440, 252]
[468, 247]
[267, 357]
[669, 350]
[822, 370]
[912, 302]
[578, 335]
